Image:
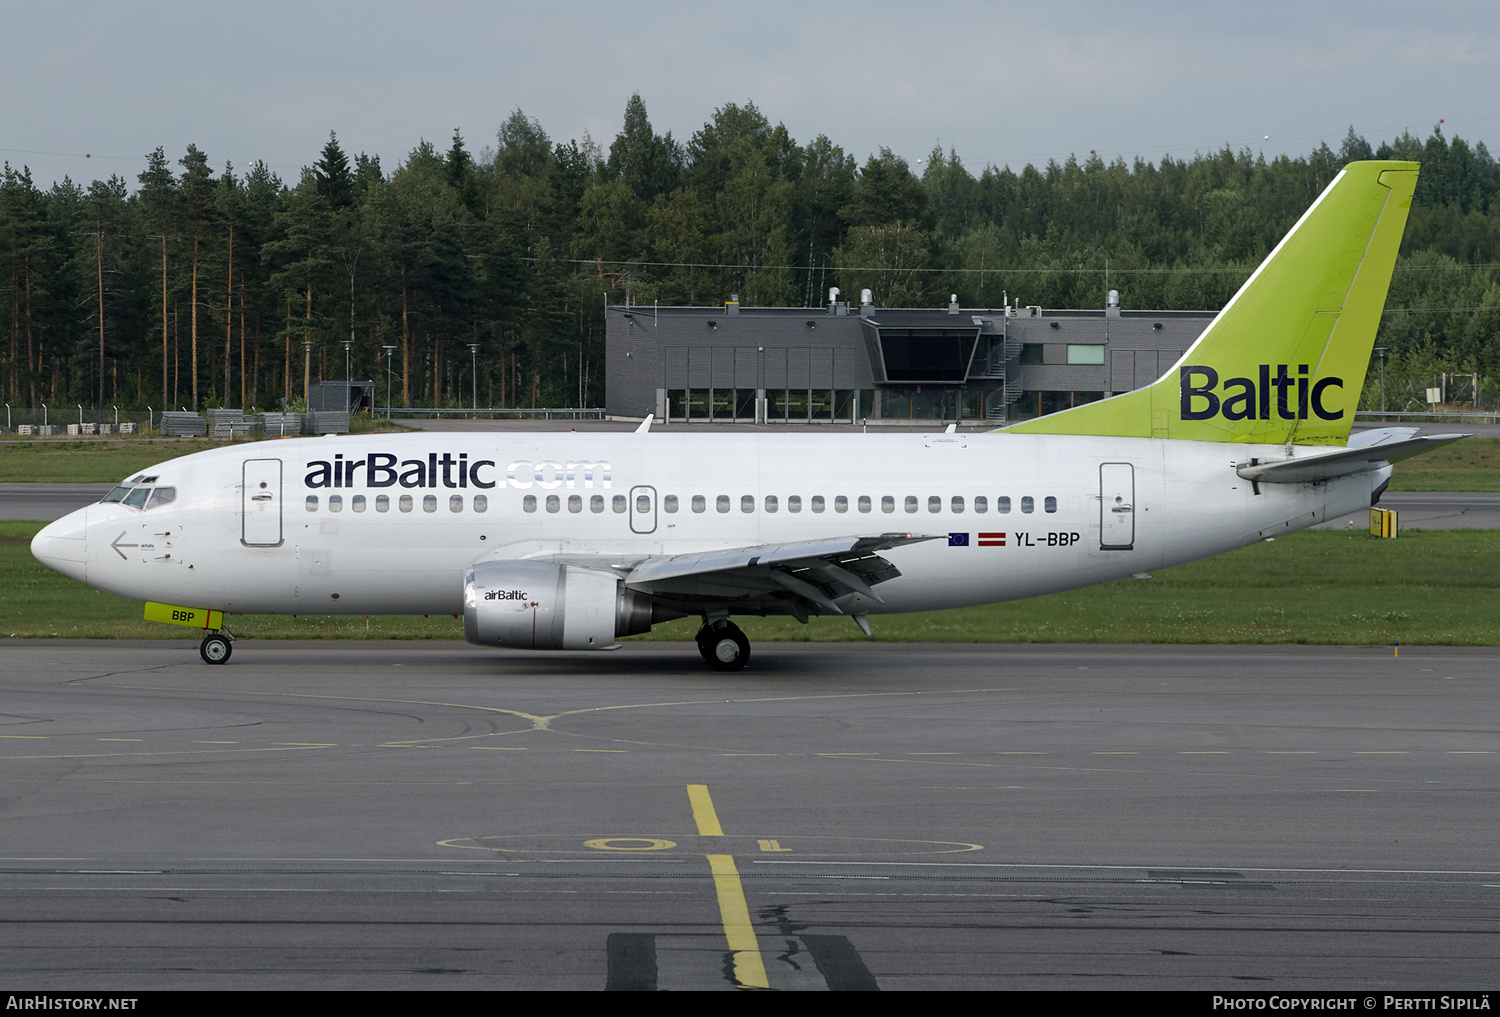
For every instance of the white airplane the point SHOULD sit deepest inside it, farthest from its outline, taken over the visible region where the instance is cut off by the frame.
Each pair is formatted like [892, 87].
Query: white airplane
[569, 541]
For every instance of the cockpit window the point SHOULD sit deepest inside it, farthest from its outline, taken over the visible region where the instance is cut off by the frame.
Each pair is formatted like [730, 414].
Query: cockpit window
[141, 493]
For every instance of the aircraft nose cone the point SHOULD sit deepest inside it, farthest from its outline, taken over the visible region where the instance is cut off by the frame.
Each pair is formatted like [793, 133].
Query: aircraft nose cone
[63, 545]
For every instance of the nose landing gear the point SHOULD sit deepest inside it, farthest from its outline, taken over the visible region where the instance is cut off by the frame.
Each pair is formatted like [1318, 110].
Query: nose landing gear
[723, 646]
[216, 647]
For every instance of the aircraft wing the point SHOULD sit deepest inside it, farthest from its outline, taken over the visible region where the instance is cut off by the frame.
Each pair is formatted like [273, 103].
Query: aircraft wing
[1327, 466]
[800, 573]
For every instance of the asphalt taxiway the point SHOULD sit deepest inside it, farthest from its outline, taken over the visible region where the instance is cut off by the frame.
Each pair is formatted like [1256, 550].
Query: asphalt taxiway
[418, 815]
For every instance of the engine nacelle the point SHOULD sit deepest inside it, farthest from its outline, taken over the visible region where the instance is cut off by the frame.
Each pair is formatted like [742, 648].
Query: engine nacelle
[537, 605]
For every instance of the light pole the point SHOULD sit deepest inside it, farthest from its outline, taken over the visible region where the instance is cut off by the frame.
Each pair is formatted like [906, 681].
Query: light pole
[388, 351]
[474, 376]
[347, 378]
[1381, 350]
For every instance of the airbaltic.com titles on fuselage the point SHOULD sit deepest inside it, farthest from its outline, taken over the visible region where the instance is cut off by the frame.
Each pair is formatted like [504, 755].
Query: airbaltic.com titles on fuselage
[443, 469]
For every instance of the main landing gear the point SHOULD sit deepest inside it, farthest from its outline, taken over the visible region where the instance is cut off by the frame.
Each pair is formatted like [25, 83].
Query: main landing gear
[216, 647]
[723, 646]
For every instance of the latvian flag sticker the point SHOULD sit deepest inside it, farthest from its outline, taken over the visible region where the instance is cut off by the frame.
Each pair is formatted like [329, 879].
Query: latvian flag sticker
[992, 540]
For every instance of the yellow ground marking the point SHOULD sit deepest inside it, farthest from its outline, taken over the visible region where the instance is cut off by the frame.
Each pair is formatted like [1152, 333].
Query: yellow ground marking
[1471, 752]
[38, 737]
[630, 844]
[703, 811]
[749, 968]
[772, 845]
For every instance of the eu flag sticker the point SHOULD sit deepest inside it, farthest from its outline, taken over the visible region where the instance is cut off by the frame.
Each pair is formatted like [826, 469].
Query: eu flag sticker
[958, 540]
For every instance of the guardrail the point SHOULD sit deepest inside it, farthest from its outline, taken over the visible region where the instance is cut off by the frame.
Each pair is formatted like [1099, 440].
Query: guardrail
[546, 412]
[1429, 416]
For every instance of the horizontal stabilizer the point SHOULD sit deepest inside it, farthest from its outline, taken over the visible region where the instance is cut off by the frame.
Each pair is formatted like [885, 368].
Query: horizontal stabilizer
[1316, 467]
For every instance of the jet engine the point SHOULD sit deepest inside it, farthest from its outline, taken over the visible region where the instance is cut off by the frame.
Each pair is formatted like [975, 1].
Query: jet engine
[546, 606]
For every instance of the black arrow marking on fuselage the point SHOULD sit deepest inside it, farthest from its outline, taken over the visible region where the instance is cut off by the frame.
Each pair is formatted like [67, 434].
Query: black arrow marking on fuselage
[117, 545]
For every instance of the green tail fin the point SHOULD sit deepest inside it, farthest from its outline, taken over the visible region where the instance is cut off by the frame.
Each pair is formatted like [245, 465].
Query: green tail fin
[1285, 360]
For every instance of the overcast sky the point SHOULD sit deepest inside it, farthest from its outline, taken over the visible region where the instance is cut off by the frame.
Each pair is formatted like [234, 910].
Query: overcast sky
[86, 89]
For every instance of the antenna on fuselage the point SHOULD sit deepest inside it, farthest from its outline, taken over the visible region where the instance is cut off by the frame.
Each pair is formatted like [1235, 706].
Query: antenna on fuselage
[645, 424]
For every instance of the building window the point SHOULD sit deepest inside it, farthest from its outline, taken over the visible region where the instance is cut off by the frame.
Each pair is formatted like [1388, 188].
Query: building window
[1031, 353]
[1081, 354]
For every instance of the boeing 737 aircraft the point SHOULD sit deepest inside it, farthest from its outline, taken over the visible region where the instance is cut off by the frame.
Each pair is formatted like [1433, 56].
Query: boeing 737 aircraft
[569, 541]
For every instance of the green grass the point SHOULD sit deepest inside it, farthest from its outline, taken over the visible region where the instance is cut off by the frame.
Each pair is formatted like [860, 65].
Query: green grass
[1331, 587]
[1469, 465]
[106, 460]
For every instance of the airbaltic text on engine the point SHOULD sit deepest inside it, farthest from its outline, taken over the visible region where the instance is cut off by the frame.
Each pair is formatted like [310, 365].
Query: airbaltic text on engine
[1244, 404]
[381, 469]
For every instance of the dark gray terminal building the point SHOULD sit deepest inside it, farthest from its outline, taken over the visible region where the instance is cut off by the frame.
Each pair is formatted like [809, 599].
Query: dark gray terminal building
[844, 363]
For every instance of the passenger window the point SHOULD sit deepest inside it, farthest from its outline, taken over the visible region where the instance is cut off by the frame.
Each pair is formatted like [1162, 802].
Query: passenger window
[698, 503]
[934, 503]
[770, 503]
[618, 503]
[312, 503]
[429, 503]
[554, 503]
[357, 503]
[864, 503]
[382, 503]
[958, 503]
[794, 503]
[1049, 504]
[1028, 504]
[817, 503]
[596, 503]
[481, 503]
[575, 503]
[405, 503]
[528, 503]
[911, 503]
[1002, 504]
[747, 503]
[335, 503]
[887, 504]
[722, 504]
[455, 503]
[643, 503]
[669, 503]
[981, 504]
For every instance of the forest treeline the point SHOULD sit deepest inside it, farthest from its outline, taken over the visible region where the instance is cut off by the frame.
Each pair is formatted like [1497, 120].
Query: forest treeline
[193, 288]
